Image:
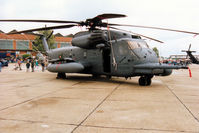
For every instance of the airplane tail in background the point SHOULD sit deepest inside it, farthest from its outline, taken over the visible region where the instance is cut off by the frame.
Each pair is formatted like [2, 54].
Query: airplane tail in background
[189, 53]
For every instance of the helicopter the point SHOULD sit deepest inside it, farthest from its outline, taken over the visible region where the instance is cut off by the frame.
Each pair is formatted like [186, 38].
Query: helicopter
[193, 59]
[105, 50]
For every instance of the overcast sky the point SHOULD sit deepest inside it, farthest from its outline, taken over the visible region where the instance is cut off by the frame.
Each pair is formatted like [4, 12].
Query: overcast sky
[176, 14]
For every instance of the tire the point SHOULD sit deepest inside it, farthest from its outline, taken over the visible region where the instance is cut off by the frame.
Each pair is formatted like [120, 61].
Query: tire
[142, 81]
[108, 76]
[61, 76]
[145, 81]
[148, 79]
[95, 76]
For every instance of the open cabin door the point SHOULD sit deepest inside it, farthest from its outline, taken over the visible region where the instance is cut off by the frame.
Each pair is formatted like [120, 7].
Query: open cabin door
[106, 54]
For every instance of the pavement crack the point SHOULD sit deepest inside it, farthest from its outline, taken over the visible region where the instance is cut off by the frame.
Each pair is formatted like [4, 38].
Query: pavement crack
[138, 129]
[181, 102]
[30, 121]
[97, 107]
[35, 98]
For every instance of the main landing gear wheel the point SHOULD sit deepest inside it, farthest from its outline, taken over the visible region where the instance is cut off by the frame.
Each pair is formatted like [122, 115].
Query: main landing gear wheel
[95, 76]
[108, 76]
[145, 80]
[61, 76]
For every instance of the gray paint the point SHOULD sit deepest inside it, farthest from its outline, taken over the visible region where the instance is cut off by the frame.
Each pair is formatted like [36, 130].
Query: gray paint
[131, 60]
[45, 44]
[66, 67]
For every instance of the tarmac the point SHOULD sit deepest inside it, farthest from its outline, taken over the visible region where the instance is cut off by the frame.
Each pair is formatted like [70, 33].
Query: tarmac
[37, 102]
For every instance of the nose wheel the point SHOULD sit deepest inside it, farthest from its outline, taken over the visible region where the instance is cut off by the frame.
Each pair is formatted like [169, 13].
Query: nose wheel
[145, 80]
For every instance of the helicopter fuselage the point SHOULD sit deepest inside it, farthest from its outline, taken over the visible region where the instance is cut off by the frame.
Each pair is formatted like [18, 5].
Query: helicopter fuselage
[125, 56]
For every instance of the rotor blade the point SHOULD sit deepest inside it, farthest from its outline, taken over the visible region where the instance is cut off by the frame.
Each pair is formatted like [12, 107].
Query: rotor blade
[98, 18]
[45, 28]
[41, 21]
[138, 34]
[189, 47]
[110, 15]
[49, 35]
[158, 28]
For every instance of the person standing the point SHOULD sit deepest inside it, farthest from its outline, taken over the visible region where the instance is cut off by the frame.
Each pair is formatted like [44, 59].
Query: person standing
[36, 64]
[27, 66]
[32, 64]
[43, 66]
[19, 64]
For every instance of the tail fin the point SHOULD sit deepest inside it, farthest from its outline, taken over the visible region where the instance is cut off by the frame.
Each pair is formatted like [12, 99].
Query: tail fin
[189, 53]
[44, 42]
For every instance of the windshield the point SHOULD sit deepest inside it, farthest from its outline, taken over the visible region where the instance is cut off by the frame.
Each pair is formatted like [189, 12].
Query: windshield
[134, 44]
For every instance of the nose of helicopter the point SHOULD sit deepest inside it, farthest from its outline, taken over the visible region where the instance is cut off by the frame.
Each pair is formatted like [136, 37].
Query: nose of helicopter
[145, 55]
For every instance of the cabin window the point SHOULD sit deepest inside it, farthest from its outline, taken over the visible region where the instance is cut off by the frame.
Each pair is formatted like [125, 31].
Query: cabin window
[143, 44]
[85, 54]
[70, 55]
[134, 45]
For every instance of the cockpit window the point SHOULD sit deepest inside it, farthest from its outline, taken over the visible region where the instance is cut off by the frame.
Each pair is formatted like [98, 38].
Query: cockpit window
[134, 44]
[144, 44]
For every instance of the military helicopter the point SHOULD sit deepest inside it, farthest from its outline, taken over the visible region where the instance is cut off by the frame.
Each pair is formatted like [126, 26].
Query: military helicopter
[100, 51]
[193, 59]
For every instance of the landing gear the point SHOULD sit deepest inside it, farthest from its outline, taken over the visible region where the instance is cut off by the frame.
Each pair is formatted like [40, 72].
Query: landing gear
[108, 76]
[61, 76]
[145, 80]
[95, 76]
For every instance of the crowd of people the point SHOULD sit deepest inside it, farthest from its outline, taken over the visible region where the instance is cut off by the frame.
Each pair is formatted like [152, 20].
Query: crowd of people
[26, 62]
[30, 63]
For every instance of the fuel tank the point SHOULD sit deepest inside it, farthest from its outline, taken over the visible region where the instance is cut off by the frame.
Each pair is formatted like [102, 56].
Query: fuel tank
[72, 67]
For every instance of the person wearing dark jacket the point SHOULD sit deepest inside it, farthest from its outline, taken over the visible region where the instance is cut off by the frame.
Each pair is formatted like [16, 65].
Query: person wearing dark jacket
[43, 66]
[32, 65]
[27, 66]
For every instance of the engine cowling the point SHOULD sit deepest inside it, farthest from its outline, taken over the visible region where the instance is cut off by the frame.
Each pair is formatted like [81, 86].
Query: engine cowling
[90, 40]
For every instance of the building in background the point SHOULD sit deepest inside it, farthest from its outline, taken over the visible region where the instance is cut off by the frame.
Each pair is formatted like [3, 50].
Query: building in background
[181, 57]
[19, 44]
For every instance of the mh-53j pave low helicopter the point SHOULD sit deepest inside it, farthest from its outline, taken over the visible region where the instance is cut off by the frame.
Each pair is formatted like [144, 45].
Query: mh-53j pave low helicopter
[100, 51]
